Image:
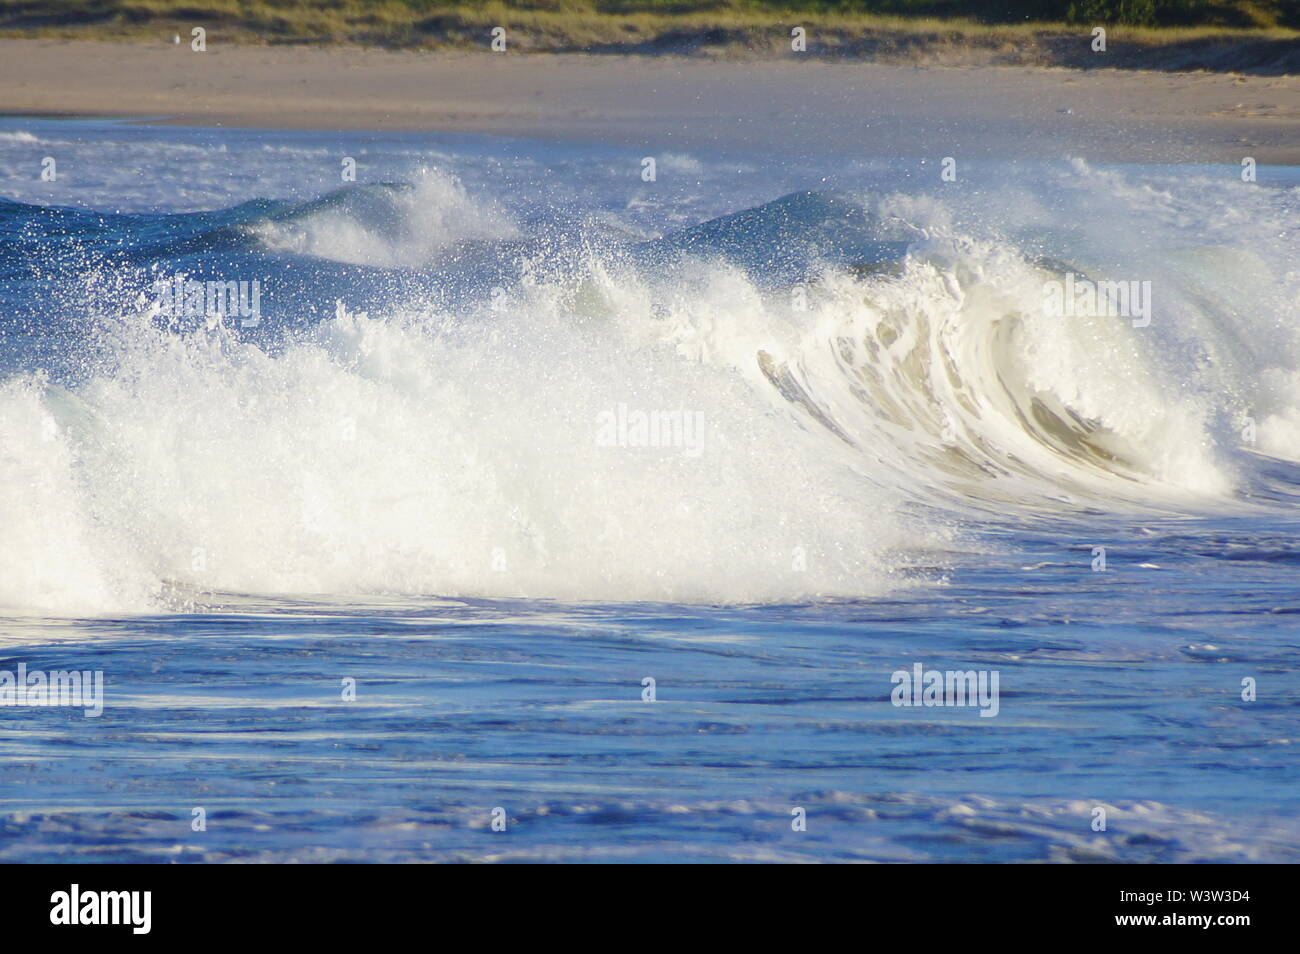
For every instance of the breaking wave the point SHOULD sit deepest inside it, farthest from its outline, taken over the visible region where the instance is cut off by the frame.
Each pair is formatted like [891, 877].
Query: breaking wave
[805, 399]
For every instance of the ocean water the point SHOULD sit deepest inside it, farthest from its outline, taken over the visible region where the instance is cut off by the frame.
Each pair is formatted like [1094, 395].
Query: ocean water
[546, 504]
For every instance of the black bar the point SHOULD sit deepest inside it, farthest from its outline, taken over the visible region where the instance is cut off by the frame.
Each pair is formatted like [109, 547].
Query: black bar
[304, 903]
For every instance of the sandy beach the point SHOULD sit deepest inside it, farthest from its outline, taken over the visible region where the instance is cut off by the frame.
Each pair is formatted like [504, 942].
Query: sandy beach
[670, 102]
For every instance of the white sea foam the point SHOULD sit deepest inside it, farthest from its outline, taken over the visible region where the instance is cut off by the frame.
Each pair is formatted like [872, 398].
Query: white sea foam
[457, 451]
[391, 227]
[426, 453]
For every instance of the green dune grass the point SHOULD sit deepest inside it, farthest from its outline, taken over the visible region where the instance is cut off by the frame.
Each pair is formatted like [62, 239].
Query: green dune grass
[1024, 30]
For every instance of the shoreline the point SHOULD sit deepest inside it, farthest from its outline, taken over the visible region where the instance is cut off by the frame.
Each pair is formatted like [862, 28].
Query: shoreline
[670, 103]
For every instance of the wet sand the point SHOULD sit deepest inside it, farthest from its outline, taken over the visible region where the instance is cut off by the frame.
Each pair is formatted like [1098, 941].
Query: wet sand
[784, 105]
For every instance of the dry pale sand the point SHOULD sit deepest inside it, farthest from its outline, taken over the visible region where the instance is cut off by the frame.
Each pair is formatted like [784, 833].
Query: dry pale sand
[786, 106]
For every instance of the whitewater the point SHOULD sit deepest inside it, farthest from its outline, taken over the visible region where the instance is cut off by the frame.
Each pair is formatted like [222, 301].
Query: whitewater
[512, 430]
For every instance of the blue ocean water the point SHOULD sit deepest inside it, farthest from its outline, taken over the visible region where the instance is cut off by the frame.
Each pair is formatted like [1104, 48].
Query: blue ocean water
[519, 434]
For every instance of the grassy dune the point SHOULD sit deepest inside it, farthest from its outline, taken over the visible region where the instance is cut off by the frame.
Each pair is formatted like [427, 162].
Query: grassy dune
[1249, 35]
